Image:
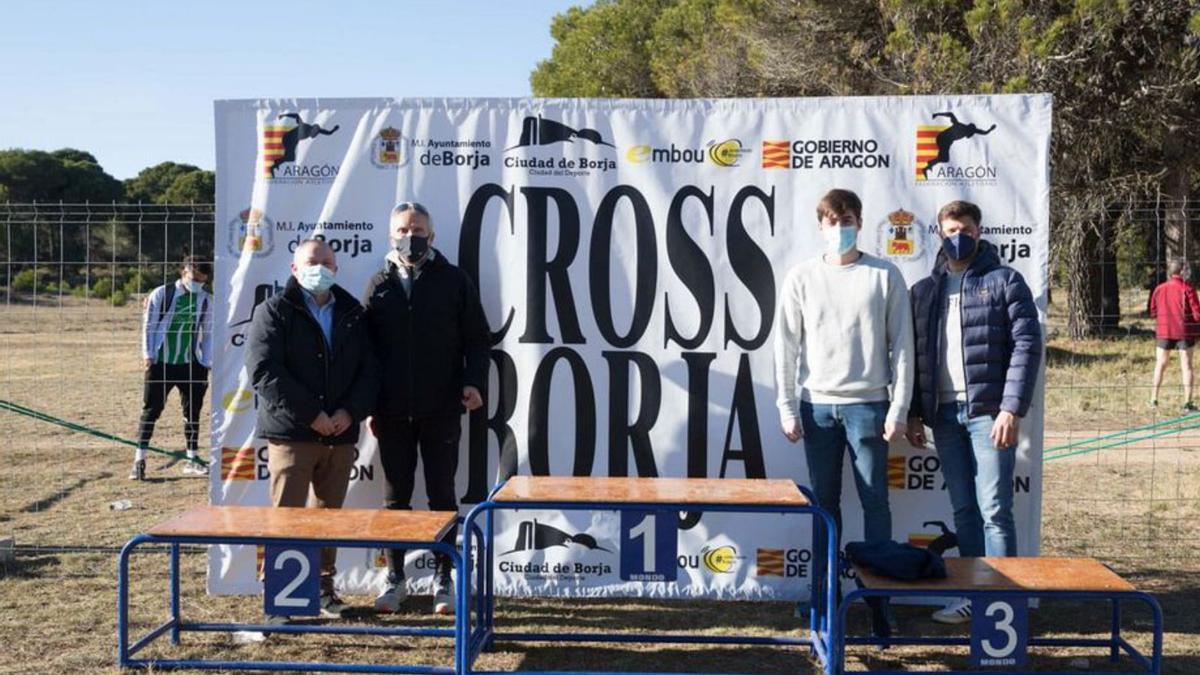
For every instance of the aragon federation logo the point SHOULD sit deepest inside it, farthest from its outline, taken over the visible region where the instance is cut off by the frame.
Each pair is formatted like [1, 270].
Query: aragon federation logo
[280, 140]
[933, 150]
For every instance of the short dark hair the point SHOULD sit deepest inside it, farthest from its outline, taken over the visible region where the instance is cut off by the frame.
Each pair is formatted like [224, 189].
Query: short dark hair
[839, 202]
[202, 266]
[958, 209]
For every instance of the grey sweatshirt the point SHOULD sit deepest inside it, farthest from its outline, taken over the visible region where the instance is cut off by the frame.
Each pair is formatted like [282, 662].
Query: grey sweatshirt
[846, 330]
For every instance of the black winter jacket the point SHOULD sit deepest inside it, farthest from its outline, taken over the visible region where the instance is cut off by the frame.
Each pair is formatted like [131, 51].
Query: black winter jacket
[430, 345]
[297, 376]
[1002, 339]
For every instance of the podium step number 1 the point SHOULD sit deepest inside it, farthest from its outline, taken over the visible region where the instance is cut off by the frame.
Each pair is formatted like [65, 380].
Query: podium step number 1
[649, 545]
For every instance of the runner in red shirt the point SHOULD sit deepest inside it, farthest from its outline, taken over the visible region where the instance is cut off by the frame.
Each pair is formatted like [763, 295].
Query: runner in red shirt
[1175, 306]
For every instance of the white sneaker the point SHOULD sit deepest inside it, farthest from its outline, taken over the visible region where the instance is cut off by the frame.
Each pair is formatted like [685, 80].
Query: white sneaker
[391, 598]
[443, 597]
[194, 468]
[277, 620]
[958, 611]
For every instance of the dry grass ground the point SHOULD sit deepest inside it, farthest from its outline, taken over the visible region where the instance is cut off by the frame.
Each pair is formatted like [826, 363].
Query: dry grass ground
[1136, 507]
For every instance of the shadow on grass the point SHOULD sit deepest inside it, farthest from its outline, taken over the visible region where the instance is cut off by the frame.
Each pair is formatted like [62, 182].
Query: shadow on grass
[590, 658]
[46, 503]
[1058, 357]
[658, 616]
[27, 567]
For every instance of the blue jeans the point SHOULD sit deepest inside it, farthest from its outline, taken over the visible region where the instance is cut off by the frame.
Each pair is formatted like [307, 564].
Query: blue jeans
[828, 430]
[979, 478]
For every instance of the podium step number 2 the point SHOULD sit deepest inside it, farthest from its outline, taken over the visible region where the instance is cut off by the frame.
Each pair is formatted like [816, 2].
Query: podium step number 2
[999, 631]
[649, 545]
[291, 583]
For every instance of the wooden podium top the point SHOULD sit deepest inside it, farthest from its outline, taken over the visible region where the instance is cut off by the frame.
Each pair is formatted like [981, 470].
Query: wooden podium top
[265, 522]
[1010, 574]
[772, 492]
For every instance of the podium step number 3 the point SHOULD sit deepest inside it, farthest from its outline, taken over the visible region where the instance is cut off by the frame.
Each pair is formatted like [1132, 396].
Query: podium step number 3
[999, 631]
[291, 580]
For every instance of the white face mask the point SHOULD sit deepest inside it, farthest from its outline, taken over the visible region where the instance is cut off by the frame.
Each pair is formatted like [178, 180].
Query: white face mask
[840, 239]
[193, 286]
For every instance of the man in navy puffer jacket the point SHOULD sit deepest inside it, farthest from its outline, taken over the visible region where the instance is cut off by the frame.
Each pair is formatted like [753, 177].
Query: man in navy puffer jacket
[979, 349]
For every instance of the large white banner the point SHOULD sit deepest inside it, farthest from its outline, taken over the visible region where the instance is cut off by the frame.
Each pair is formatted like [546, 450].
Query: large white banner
[629, 255]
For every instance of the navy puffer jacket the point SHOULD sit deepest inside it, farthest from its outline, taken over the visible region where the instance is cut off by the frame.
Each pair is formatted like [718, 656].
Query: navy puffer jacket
[1002, 339]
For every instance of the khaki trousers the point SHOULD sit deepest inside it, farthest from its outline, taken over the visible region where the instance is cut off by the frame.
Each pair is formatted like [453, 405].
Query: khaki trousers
[297, 466]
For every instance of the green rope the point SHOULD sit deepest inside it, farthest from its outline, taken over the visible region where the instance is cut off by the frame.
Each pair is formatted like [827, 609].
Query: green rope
[1125, 432]
[1157, 434]
[74, 426]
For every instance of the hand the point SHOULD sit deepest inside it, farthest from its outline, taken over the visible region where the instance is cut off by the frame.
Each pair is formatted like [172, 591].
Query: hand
[916, 433]
[792, 430]
[471, 399]
[323, 425]
[147, 363]
[894, 430]
[341, 421]
[1004, 430]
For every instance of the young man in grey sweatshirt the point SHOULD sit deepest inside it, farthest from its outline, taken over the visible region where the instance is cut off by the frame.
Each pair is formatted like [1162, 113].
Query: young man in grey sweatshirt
[844, 363]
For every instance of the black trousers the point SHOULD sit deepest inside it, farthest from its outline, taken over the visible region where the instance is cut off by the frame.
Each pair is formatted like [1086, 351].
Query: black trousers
[401, 441]
[192, 381]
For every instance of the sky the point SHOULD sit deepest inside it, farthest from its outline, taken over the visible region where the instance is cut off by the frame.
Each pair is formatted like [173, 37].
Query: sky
[133, 82]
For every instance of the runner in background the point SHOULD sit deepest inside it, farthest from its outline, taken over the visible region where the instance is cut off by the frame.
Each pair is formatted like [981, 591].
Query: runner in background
[176, 353]
[1177, 311]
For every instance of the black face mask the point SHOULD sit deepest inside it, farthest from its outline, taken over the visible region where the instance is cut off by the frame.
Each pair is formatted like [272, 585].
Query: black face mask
[412, 247]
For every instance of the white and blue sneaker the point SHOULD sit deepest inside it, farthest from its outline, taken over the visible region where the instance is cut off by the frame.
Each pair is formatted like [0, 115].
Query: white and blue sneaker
[958, 611]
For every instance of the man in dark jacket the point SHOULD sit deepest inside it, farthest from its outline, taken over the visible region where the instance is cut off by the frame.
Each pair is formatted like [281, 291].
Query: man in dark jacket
[979, 349]
[1176, 314]
[432, 343]
[310, 359]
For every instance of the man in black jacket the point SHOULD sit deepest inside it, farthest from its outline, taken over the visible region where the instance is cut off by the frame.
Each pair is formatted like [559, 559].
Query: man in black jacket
[310, 359]
[979, 351]
[431, 340]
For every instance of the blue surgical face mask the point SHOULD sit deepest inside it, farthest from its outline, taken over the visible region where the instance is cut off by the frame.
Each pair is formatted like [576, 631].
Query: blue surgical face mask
[193, 286]
[959, 246]
[840, 239]
[315, 278]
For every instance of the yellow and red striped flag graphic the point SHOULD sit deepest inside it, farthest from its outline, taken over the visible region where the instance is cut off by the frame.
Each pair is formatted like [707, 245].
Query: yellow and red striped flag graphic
[237, 463]
[927, 146]
[272, 148]
[776, 155]
[896, 472]
[770, 562]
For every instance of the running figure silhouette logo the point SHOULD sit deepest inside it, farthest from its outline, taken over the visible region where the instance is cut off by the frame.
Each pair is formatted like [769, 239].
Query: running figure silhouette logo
[280, 141]
[934, 141]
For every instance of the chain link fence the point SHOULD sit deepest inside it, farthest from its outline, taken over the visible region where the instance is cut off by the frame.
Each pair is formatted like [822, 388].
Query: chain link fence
[1122, 478]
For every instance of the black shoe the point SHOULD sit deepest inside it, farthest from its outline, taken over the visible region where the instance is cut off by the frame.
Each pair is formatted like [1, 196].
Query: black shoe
[1189, 407]
[883, 618]
[138, 472]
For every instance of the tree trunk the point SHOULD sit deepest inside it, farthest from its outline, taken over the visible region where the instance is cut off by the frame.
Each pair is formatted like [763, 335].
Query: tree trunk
[1083, 280]
[1109, 283]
